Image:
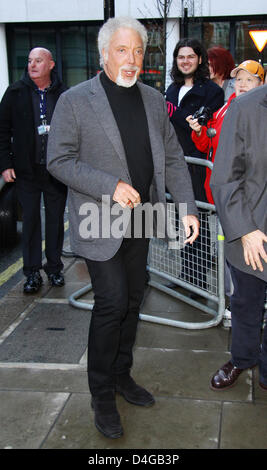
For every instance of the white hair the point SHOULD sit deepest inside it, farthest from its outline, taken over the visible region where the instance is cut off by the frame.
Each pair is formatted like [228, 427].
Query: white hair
[112, 25]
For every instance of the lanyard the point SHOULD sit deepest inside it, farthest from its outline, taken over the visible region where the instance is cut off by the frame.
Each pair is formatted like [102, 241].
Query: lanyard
[43, 107]
[43, 129]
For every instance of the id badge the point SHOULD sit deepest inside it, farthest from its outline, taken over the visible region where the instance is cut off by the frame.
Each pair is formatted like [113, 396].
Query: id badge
[43, 129]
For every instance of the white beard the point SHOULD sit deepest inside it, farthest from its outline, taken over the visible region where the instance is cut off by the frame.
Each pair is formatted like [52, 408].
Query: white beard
[126, 83]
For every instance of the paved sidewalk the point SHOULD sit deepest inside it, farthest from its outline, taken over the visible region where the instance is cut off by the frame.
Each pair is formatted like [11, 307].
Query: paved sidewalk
[44, 397]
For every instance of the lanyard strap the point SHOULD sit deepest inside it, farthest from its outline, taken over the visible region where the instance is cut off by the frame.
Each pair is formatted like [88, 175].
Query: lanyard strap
[43, 106]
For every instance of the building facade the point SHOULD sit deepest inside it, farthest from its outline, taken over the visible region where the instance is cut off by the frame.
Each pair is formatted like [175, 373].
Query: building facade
[69, 29]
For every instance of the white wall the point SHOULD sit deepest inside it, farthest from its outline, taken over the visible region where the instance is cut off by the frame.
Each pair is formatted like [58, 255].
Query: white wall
[236, 7]
[50, 10]
[77, 10]
[148, 8]
[139, 8]
[173, 34]
[4, 81]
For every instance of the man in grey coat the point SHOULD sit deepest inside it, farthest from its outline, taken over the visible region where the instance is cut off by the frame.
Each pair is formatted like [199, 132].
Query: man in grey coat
[112, 144]
[239, 188]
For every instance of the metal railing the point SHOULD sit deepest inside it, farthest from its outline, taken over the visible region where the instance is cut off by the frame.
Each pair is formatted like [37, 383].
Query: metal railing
[199, 270]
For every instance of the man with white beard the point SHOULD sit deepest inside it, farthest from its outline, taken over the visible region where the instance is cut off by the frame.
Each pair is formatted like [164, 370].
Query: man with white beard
[112, 136]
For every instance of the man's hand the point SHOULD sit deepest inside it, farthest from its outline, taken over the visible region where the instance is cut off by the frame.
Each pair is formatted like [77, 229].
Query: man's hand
[126, 195]
[253, 249]
[9, 175]
[191, 222]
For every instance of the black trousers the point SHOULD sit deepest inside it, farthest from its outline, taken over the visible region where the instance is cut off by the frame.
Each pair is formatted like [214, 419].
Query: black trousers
[118, 286]
[249, 341]
[29, 195]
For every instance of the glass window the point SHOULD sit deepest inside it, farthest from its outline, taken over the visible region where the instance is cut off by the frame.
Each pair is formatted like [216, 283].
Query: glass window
[75, 46]
[18, 50]
[92, 51]
[234, 37]
[195, 30]
[21, 40]
[44, 37]
[152, 73]
[210, 33]
[80, 58]
[75, 49]
[245, 47]
[216, 34]
[74, 60]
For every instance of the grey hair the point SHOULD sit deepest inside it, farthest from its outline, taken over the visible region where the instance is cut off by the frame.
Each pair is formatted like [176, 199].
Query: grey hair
[111, 26]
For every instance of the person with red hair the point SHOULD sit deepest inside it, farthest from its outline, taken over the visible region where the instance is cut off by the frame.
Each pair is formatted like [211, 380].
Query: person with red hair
[221, 63]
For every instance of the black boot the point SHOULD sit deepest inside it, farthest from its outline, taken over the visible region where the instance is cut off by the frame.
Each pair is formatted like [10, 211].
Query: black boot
[132, 392]
[107, 418]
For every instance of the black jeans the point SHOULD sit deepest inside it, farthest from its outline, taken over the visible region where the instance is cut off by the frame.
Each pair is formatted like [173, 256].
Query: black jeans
[118, 286]
[29, 195]
[249, 342]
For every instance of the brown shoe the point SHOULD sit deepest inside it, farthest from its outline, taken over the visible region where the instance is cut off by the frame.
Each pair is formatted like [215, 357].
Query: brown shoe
[225, 377]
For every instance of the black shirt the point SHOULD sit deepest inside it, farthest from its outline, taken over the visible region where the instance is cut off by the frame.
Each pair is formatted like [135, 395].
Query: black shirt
[129, 112]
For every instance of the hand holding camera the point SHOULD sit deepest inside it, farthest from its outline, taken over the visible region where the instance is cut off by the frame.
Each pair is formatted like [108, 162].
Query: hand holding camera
[203, 115]
[199, 118]
[193, 123]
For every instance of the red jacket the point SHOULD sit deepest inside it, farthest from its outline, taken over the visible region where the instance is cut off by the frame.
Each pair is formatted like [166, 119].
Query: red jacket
[204, 143]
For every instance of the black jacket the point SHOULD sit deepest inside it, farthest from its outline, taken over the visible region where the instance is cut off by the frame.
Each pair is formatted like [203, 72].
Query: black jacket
[203, 93]
[17, 132]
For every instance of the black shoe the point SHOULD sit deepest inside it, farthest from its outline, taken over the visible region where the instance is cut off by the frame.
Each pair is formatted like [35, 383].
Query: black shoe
[56, 279]
[107, 418]
[132, 392]
[33, 283]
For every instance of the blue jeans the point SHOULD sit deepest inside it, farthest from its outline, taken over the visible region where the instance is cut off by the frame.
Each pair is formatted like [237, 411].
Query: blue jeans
[249, 341]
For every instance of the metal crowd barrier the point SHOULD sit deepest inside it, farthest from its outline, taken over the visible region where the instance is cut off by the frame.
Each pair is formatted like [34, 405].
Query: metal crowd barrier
[181, 267]
[173, 265]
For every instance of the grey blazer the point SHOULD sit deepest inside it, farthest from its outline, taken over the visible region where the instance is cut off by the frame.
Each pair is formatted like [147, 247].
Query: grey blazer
[85, 152]
[239, 175]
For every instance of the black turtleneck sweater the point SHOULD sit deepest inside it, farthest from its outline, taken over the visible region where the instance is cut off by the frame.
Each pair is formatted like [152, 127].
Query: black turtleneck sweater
[129, 112]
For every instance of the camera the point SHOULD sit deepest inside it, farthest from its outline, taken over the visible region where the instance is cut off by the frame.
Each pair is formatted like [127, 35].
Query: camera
[203, 115]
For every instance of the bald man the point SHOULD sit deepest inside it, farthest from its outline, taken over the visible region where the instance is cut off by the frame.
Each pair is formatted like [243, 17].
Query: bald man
[25, 114]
